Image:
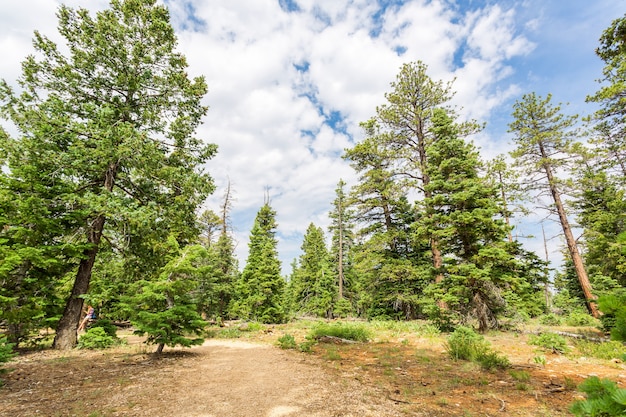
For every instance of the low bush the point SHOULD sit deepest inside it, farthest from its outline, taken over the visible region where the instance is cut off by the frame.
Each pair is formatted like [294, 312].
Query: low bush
[604, 398]
[550, 320]
[287, 341]
[97, 338]
[550, 342]
[349, 331]
[581, 319]
[465, 344]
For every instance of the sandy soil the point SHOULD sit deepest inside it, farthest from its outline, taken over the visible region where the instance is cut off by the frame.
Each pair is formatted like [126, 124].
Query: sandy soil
[395, 374]
[220, 378]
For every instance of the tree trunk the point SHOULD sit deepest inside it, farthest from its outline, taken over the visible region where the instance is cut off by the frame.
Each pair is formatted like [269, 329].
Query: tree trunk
[66, 336]
[577, 260]
[340, 265]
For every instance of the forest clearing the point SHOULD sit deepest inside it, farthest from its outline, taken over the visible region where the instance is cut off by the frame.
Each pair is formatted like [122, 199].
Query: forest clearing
[402, 371]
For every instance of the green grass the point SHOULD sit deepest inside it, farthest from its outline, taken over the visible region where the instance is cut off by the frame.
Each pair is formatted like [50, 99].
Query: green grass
[350, 331]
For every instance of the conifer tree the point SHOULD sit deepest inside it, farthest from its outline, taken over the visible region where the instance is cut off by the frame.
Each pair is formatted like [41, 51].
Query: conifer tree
[313, 286]
[260, 288]
[114, 117]
[163, 307]
[342, 231]
[463, 214]
[543, 136]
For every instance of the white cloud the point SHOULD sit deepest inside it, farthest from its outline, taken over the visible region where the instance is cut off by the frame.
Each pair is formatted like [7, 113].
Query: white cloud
[268, 117]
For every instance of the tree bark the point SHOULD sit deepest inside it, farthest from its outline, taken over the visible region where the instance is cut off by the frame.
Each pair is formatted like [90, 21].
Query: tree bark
[66, 332]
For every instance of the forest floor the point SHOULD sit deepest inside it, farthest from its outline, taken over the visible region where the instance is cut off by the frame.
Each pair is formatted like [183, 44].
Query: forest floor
[244, 373]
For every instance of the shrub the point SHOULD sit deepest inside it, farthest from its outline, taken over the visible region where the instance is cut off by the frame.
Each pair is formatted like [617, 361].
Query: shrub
[6, 353]
[549, 342]
[550, 320]
[614, 318]
[107, 325]
[97, 338]
[520, 376]
[306, 346]
[356, 332]
[466, 344]
[605, 350]
[492, 360]
[287, 342]
[579, 319]
[604, 398]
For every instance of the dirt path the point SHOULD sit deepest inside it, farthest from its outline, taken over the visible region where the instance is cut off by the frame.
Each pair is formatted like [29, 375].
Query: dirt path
[220, 378]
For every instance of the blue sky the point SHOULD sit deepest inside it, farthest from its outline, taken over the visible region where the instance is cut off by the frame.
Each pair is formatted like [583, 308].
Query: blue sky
[290, 80]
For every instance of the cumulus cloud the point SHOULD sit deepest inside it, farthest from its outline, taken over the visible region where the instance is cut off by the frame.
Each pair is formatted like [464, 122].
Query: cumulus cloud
[290, 81]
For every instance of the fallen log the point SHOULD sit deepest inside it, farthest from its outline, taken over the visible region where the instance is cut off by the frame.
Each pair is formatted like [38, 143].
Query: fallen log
[572, 335]
[333, 339]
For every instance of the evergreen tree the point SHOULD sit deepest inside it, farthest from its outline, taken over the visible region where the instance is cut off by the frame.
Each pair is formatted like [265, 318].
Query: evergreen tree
[612, 96]
[260, 288]
[313, 287]
[163, 307]
[114, 119]
[463, 214]
[342, 231]
[389, 265]
[543, 136]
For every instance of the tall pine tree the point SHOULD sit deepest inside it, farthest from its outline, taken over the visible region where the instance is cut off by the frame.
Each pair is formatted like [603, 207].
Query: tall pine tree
[259, 291]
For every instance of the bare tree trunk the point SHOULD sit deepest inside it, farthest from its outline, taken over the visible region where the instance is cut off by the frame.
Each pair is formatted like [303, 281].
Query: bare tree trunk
[340, 266]
[577, 260]
[504, 205]
[66, 336]
[546, 288]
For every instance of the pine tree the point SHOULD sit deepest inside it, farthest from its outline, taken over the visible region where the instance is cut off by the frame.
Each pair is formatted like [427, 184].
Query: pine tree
[163, 307]
[463, 215]
[342, 231]
[260, 288]
[543, 136]
[389, 263]
[313, 287]
[114, 118]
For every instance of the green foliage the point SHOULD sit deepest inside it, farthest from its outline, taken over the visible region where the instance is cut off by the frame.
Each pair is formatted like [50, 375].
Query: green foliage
[260, 288]
[349, 331]
[105, 146]
[6, 350]
[97, 338]
[521, 376]
[343, 308]
[581, 319]
[604, 398]
[551, 342]
[108, 327]
[490, 360]
[163, 307]
[415, 327]
[465, 344]
[603, 350]
[287, 341]
[312, 288]
[6, 353]
[550, 319]
[614, 318]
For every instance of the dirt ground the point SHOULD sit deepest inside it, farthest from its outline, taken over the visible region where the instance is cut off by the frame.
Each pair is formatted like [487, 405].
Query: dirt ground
[221, 378]
[393, 375]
